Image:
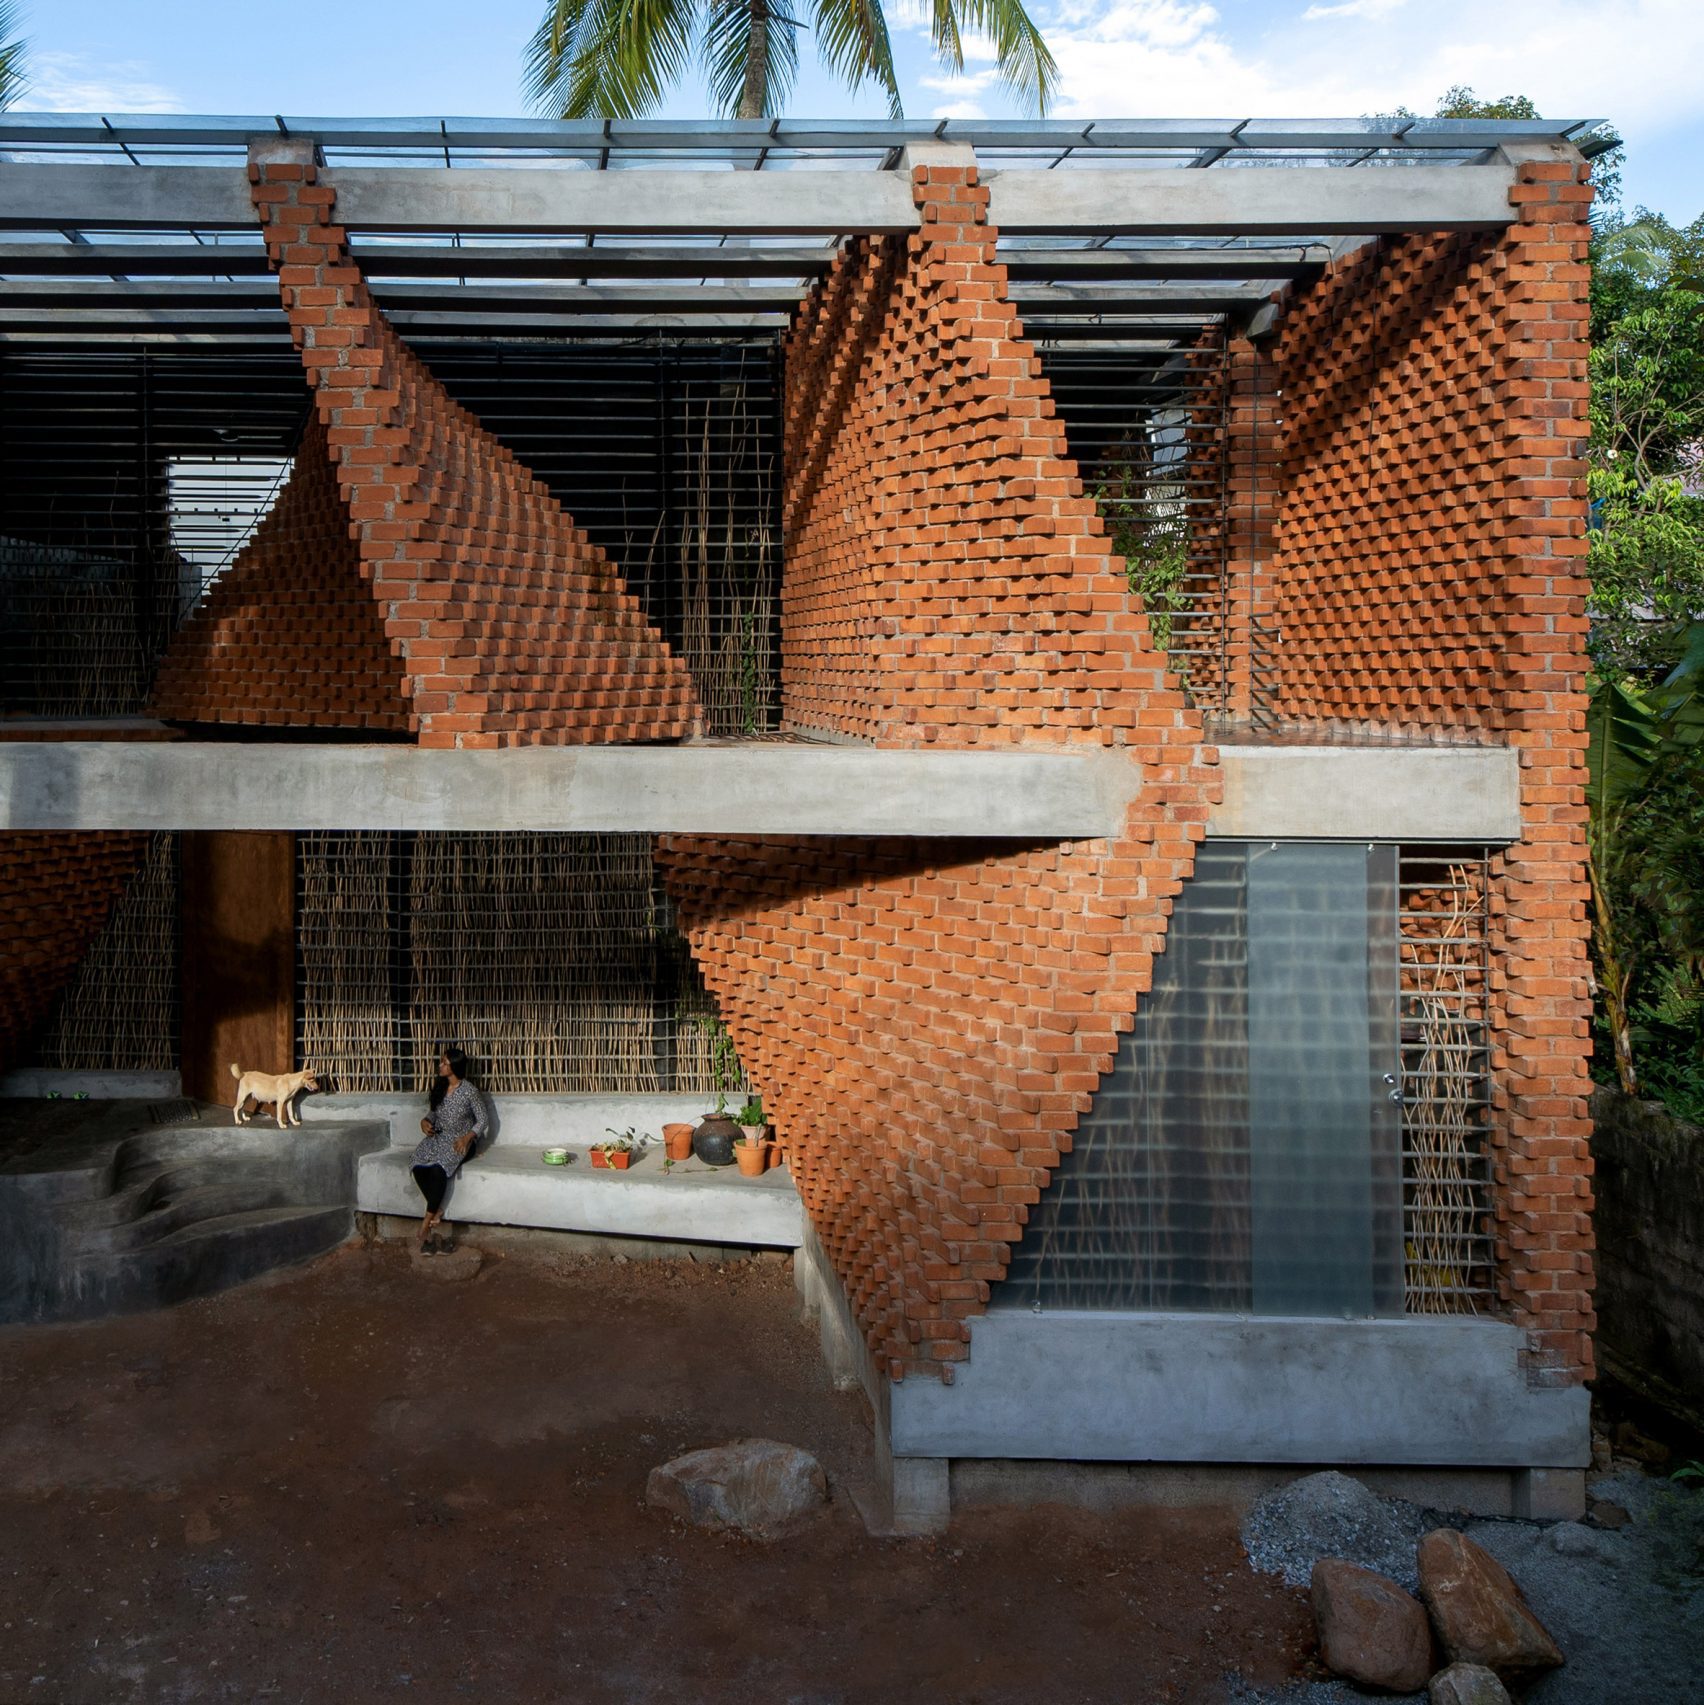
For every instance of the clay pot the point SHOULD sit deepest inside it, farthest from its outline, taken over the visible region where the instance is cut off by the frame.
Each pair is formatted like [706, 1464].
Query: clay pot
[615, 1162]
[753, 1158]
[677, 1142]
[713, 1140]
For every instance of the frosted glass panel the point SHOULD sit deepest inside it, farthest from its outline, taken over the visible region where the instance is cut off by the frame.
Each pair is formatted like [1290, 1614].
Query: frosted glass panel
[1243, 1155]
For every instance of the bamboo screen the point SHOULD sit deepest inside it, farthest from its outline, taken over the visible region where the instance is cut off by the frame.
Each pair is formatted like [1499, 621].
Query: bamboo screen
[552, 959]
[1447, 1238]
[120, 1011]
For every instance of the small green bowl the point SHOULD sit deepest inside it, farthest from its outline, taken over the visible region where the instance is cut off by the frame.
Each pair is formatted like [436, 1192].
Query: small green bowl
[556, 1157]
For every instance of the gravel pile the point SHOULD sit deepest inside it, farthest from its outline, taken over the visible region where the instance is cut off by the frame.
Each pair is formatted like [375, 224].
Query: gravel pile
[1330, 1515]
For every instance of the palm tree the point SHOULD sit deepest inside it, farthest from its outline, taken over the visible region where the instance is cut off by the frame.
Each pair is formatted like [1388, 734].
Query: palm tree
[11, 56]
[619, 58]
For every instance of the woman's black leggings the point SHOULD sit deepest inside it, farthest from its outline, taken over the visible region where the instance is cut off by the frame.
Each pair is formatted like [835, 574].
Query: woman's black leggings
[433, 1182]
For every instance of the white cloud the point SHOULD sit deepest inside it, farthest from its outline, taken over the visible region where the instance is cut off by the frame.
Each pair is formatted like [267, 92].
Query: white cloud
[73, 82]
[1353, 9]
[1631, 61]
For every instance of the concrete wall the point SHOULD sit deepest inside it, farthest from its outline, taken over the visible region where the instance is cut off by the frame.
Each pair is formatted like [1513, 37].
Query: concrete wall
[1433, 1390]
[1650, 1231]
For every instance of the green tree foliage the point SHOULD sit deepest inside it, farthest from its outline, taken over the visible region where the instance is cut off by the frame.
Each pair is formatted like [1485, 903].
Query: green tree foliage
[1646, 860]
[11, 55]
[620, 58]
[1647, 539]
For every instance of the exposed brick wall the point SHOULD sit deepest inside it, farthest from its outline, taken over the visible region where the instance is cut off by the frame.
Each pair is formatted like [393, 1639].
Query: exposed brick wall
[1543, 989]
[508, 625]
[290, 635]
[1428, 575]
[56, 891]
[927, 1022]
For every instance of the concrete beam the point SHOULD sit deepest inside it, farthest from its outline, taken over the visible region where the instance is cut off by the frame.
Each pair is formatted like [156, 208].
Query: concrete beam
[1312, 202]
[1110, 1387]
[1368, 793]
[770, 788]
[437, 198]
[1258, 202]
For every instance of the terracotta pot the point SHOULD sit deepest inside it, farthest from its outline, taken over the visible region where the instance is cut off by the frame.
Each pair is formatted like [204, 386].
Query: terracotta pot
[677, 1142]
[614, 1162]
[714, 1138]
[753, 1159]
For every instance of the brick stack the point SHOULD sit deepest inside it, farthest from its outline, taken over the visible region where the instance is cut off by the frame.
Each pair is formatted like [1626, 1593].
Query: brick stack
[56, 890]
[289, 636]
[1429, 575]
[508, 626]
[927, 1022]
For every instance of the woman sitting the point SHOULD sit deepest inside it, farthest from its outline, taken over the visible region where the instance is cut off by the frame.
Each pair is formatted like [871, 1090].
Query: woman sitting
[456, 1123]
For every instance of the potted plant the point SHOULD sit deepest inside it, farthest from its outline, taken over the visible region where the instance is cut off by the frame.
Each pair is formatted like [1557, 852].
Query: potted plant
[677, 1142]
[618, 1152]
[752, 1150]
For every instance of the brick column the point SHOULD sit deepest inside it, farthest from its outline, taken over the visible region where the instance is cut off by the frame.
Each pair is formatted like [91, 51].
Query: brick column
[1543, 1002]
[1251, 517]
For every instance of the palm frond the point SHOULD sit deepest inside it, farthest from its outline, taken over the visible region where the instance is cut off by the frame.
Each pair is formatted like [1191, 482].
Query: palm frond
[1026, 67]
[11, 55]
[852, 40]
[609, 58]
[727, 54]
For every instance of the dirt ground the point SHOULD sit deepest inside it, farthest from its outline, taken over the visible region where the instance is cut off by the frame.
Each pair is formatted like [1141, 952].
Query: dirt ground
[353, 1482]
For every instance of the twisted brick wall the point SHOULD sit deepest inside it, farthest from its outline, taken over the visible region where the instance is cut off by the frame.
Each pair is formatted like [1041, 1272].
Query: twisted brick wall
[288, 635]
[1428, 575]
[507, 626]
[927, 1022]
[56, 891]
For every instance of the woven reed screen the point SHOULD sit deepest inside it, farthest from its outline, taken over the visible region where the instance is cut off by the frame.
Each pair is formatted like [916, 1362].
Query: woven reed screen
[552, 959]
[1446, 1083]
[119, 1013]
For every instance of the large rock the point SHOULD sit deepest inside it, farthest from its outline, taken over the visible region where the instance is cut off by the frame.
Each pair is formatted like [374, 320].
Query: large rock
[1329, 1515]
[1467, 1684]
[1479, 1613]
[754, 1486]
[1370, 1630]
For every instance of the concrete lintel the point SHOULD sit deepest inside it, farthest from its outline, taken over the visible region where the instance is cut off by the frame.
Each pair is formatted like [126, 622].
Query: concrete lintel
[1317, 202]
[1374, 793]
[769, 788]
[1435, 1390]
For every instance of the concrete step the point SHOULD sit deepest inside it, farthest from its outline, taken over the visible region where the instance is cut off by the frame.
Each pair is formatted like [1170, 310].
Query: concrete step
[195, 1260]
[173, 1206]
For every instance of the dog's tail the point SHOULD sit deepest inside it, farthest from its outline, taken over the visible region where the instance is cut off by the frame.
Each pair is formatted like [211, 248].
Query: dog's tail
[235, 1073]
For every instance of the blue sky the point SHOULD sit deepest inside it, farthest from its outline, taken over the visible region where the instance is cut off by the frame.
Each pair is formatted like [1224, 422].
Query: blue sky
[1634, 62]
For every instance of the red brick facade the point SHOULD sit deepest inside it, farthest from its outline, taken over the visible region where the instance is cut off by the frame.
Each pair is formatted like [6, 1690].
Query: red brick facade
[927, 1022]
[506, 625]
[1428, 574]
[56, 891]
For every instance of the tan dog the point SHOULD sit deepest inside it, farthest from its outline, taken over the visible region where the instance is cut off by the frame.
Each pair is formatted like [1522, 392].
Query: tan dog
[279, 1089]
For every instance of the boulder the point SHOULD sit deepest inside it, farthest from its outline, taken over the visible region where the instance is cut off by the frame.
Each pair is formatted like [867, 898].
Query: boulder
[753, 1486]
[1480, 1614]
[1467, 1684]
[1370, 1630]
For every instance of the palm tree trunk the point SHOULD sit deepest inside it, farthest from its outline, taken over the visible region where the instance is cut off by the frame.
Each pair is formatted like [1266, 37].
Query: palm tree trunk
[757, 62]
